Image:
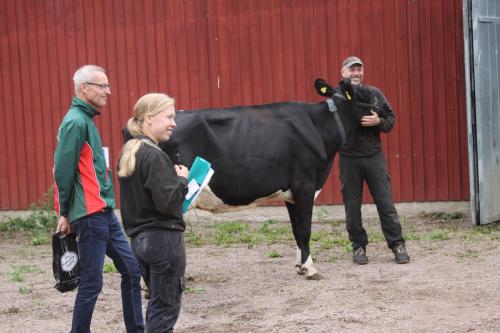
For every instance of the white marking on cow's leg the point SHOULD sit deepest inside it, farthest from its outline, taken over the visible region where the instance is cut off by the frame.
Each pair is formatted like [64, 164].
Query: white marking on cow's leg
[298, 261]
[309, 270]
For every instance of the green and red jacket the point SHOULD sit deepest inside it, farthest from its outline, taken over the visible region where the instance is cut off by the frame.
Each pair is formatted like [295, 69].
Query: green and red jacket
[83, 183]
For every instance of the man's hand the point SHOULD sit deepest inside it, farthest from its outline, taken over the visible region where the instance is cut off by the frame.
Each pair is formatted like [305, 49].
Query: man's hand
[372, 120]
[63, 226]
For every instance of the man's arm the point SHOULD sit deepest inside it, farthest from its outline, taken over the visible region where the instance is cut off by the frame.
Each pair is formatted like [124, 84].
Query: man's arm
[71, 137]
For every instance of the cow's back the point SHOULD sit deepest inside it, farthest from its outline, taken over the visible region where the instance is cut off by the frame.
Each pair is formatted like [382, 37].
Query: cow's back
[254, 151]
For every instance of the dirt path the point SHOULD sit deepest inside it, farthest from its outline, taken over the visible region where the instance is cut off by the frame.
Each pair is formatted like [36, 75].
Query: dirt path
[451, 285]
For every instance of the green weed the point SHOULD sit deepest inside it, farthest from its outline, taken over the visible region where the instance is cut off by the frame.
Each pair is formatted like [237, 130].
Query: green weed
[194, 239]
[274, 254]
[109, 267]
[25, 290]
[440, 234]
[194, 290]
[321, 214]
[41, 221]
[17, 274]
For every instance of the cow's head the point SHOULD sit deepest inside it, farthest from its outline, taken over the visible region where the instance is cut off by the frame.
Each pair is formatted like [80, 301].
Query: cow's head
[358, 96]
[351, 101]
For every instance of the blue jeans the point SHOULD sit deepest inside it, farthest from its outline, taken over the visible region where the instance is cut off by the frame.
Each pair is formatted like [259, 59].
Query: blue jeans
[162, 256]
[98, 235]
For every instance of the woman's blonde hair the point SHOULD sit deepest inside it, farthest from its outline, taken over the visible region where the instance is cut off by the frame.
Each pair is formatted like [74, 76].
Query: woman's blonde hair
[149, 104]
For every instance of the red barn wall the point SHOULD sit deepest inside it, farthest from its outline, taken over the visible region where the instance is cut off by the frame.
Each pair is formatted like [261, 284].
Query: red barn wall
[211, 53]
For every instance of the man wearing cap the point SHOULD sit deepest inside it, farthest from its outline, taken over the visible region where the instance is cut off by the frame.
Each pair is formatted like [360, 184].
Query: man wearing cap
[362, 159]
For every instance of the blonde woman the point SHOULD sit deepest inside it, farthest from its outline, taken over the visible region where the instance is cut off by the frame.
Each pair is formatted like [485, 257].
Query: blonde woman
[152, 190]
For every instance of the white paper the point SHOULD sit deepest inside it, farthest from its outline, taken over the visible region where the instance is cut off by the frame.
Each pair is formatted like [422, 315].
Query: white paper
[205, 182]
[105, 150]
[192, 188]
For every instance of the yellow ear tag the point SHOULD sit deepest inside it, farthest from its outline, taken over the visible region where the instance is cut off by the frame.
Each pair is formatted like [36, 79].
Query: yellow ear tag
[347, 95]
[323, 90]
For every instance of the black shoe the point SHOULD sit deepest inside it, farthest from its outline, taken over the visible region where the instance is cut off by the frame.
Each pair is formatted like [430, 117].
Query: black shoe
[359, 256]
[400, 254]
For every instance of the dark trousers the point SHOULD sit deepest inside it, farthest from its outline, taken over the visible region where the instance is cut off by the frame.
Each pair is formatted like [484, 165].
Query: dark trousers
[354, 171]
[101, 234]
[162, 257]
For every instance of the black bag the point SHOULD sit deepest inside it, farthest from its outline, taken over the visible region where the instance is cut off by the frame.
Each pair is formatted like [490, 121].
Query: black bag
[65, 262]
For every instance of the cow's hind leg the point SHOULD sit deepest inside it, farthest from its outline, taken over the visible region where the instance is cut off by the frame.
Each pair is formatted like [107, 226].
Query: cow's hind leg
[300, 218]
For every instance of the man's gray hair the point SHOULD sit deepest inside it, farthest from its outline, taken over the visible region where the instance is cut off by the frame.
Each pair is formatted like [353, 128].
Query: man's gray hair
[85, 74]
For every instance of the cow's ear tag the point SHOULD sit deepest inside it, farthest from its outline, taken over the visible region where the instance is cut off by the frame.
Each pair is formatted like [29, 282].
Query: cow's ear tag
[323, 90]
[348, 95]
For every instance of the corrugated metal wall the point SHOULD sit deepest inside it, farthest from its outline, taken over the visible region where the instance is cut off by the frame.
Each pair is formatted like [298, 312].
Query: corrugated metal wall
[210, 53]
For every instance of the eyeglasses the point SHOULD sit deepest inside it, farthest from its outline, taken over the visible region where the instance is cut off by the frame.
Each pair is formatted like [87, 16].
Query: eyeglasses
[103, 86]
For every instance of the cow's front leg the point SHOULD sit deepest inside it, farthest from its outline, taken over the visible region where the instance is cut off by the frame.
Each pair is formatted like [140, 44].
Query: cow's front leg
[300, 217]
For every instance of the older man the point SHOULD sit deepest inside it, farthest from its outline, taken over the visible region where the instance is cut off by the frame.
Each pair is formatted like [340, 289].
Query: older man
[361, 159]
[85, 199]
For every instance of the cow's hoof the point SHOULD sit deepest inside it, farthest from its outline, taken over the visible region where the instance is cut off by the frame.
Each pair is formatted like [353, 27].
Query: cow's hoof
[308, 269]
[301, 270]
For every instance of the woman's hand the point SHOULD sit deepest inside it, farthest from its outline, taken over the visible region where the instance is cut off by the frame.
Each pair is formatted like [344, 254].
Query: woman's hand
[181, 170]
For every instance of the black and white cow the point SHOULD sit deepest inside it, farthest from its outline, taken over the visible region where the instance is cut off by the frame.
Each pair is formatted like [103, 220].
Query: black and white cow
[269, 150]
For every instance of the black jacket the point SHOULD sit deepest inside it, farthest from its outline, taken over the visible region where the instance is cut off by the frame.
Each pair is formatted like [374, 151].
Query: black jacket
[152, 197]
[365, 141]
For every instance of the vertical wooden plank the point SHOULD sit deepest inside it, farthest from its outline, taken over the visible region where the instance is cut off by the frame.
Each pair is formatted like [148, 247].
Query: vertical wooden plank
[390, 91]
[298, 53]
[5, 193]
[255, 51]
[243, 83]
[131, 85]
[45, 107]
[276, 50]
[461, 108]
[428, 87]
[265, 12]
[223, 46]
[180, 40]
[33, 111]
[140, 40]
[288, 45]
[451, 99]
[417, 112]
[321, 59]
[172, 65]
[403, 97]
[213, 79]
[439, 106]
[19, 166]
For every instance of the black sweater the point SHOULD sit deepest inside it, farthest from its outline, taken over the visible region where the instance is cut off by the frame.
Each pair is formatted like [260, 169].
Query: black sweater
[365, 141]
[152, 197]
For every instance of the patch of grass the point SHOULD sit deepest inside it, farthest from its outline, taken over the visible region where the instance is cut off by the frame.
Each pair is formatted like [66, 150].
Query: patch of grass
[318, 235]
[274, 254]
[17, 275]
[332, 259]
[412, 236]
[321, 214]
[444, 216]
[40, 223]
[228, 233]
[194, 290]
[109, 267]
[25, 290]
[275, 233]
[194, 239]
[468, 253]
[375, 237]
[440, 234]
